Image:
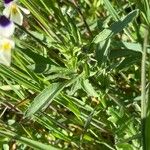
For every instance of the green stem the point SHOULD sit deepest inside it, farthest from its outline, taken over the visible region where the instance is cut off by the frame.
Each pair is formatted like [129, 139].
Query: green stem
[143, 88]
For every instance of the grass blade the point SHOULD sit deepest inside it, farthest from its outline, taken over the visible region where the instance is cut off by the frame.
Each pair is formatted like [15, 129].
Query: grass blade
[29, 142]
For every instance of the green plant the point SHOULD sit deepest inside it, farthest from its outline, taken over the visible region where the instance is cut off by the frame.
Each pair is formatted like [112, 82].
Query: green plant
[75, 78]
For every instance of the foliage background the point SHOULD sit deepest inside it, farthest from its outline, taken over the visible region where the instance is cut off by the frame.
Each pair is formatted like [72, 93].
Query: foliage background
[75, 78]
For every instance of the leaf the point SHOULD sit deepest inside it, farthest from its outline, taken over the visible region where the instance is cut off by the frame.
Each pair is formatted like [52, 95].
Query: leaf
[66, 101]
[114, 13]
[44, 98]
[102, 51]
[88, 88]
[115, 28]
[111, 10]
[135, 47]
[120, 25]
[114, 115]
[106, 33]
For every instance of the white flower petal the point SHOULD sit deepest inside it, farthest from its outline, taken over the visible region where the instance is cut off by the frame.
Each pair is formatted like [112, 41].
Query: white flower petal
[5, 58]
[5, 51]
[6, 44]
[26, 11]
[17, 17]
[6, 11]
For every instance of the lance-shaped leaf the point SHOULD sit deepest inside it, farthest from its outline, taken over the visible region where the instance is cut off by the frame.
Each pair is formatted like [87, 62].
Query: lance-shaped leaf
[45, 98]
[115, 27]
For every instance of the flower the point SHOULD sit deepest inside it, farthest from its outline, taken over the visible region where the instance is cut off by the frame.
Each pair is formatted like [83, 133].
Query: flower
[7, 27]
[5, 50]
[13, 11]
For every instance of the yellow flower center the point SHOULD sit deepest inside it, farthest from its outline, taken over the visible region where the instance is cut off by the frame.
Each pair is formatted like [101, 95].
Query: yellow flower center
[6, 46]
[14, 8]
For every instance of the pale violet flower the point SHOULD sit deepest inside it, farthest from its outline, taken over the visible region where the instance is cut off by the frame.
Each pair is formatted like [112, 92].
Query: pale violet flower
[6, 45]
[13, 11]
[7, 27]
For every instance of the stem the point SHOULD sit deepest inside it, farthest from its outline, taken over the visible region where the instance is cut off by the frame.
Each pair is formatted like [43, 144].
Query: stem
[143, 88]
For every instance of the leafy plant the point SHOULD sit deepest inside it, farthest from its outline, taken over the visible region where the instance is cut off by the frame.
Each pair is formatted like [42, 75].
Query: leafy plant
[75, 78]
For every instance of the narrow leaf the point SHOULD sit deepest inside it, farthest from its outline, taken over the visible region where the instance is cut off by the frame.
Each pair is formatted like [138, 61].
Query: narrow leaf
[87, 86]
[44, 98]
[115, 28]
